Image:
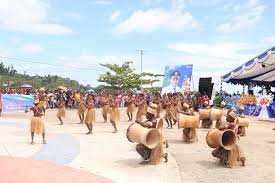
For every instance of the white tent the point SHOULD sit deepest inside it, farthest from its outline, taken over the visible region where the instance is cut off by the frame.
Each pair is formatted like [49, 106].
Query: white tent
[260, 70]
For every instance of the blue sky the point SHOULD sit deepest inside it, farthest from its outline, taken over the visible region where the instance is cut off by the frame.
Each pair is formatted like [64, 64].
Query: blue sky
[214, 35]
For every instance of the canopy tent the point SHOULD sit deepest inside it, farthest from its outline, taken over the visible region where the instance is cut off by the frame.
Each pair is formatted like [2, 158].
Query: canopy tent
[26, 86]
[260, 71]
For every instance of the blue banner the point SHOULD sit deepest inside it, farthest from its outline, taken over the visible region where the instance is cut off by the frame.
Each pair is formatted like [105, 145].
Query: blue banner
[15, 103]
[177, 79]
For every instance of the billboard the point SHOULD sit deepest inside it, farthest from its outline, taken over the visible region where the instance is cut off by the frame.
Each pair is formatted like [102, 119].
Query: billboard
[14, 103]
[177, 79]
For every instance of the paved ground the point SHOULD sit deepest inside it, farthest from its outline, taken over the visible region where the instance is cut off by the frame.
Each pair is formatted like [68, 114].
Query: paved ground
[112, 156]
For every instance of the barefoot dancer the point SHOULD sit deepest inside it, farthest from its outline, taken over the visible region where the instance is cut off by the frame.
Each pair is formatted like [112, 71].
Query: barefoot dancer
[142, 107]
[131, 108]
[37, 124]
[115, 113]
[152, 156]
[61, 110]
[105, 107]
[90, 116]
[229, 158]
[168, 113]
[81, 109]
[189, 134]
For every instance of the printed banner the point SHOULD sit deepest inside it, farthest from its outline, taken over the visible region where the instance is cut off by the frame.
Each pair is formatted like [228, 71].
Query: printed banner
[16, 103]
[177, 79]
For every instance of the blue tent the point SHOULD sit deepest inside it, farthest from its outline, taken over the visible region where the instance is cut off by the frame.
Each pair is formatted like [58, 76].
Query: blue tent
[260, 71]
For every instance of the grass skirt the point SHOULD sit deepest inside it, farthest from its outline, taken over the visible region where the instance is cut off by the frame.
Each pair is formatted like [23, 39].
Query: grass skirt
[189, 135]
[90, 116]
[81, 109]
[140, 113]
[131, 108]
[105, 110]
[115, 115]
[229, 158]
[43, 104]
[37, 125]
[61, 113]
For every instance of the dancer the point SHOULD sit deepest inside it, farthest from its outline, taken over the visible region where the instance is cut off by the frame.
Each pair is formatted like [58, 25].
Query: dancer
[142, 106]
[37, 124]
[43, 98]
[105, 107]
[189, 134]
[81, 109]
[206, 123]
[241, 129]
[229, 158]
[131, 107]
[115, 113]
[61, 110]
[91, 114]
[168, 113]
[151, 155]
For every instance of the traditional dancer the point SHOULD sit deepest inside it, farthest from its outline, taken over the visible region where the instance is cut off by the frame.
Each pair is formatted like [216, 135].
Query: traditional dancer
[70, 101]
[206, 123]
[169, 112]
[157, 101]
[37, 124]
[241, 129]
[229, 158]
[61, 113]
[115, 113]
[105, 107]
[43, 98]
[142, 107]
[131, 107]
[81, 109]
[218, 121]
[189, 134]
[91, 114]
[154, 155]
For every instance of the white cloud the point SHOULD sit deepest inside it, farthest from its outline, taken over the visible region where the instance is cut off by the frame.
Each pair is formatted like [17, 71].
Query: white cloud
[72, 15]
[270, 40]
[225, 50]
[28, 16]
[103, 2]
[157, 18]
[31, 48]
[114, 16]
[242, 16]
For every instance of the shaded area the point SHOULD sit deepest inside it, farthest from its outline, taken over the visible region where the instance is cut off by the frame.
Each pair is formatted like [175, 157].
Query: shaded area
[62, 149]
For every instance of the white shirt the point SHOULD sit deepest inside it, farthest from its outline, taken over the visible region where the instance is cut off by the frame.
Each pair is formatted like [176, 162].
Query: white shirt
[171, 89]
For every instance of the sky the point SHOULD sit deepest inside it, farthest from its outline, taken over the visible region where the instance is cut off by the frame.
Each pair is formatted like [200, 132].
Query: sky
[74, 36]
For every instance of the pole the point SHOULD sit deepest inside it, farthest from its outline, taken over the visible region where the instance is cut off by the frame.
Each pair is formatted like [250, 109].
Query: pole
[141, 67]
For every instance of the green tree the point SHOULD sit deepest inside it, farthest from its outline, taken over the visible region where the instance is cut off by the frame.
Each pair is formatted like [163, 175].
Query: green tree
[124, 77]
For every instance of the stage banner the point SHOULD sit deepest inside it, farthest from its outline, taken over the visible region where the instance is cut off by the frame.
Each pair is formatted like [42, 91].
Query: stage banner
[16, 103]
[177, 79]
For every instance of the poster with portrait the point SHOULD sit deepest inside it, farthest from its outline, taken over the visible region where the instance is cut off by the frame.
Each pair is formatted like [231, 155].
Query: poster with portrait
[177, 79]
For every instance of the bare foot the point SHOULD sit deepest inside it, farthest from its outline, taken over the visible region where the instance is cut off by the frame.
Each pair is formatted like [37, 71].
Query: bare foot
[165, 156]
[144, 162]
[115, 131]
[44, 142]
[32, 142]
